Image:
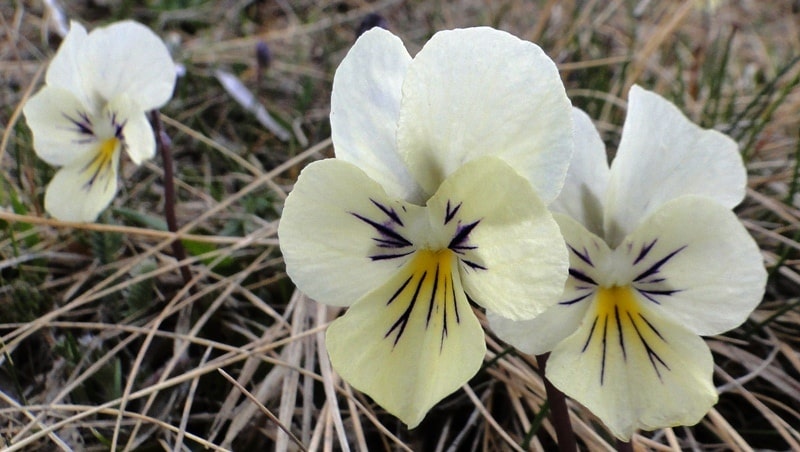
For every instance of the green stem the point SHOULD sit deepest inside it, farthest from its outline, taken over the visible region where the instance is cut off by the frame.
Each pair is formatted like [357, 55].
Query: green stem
[559, 414]
[163, 142]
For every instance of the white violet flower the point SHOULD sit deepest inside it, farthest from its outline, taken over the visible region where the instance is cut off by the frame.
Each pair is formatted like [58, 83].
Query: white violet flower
[444, 165]
[657, 259]
[99, 87]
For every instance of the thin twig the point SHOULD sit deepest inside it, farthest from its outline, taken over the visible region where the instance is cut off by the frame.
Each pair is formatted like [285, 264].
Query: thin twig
[559, 414]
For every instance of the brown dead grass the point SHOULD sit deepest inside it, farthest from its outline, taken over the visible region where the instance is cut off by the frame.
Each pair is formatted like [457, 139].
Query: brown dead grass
[235, 359]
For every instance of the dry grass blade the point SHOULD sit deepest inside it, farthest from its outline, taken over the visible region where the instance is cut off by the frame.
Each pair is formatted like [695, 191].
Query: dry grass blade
[245, 98]
[485, 413]
[263, 409]
[329, 383]
[187, 408]
[732, 438]
[103, 347]
[34, 419]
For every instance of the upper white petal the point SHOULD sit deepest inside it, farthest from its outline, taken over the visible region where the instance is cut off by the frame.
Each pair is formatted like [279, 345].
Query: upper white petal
[128, 58]
[325, 245]
[717, 273]
[516, 240]
[65, 69]
[365, 108]
[587, 178]
[662, 155]
[480, 91]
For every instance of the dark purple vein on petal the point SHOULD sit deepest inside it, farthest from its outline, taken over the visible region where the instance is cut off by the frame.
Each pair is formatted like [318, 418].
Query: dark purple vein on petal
[575, 300]
[580, 276]
[644, 251]
[584, 256]
[450, 214]
[389, 212]
[402, 322]
[653, 269]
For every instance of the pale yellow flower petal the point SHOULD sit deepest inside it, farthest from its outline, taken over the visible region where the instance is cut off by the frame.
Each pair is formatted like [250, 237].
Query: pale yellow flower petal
[633, 368]
[411, 342]
[128, 58]
[513, 258]
[64, 70]
[662, 156]
[338, 230]
[696, 263]
[587, 178]
[587, 252]
[365, 108]
[82, 189]
[480, 91]
[134, 128]
[63, 128]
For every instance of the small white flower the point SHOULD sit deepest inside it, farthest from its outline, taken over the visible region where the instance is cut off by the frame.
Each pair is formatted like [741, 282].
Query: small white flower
[657, 259]
[429, 200]
[99, 87]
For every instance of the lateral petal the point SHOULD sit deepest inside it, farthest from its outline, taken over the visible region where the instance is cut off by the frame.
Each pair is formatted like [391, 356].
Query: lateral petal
[340, 234]
[512, 256]
[587, 253]
[479, 91]
[63, 129]
[365, 108]
[664, 156]
[542, 333]
[140, 141]
[696, 263]
[411, 342]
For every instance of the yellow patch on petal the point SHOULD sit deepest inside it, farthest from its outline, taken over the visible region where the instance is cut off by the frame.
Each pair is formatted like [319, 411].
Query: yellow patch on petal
[633, 368]
[428, 287]
[621, 328]
[101, 166]
[412, 341]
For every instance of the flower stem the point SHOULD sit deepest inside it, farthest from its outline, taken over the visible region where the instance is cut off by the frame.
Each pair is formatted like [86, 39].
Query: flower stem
[163, 142]
[624, 446]
[559, 414]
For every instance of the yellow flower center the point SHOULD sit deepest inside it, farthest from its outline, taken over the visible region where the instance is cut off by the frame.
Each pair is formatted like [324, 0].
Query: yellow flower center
[427, 295]
[620, 327]
[614, 300]
[426, 260]
[107, 148]
[101, 164]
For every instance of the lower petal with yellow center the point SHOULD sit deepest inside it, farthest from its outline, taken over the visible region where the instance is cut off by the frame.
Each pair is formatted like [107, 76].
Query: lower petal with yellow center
[81, 190]
[633, 368]
[413, 341]
[100, 169]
